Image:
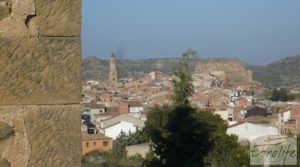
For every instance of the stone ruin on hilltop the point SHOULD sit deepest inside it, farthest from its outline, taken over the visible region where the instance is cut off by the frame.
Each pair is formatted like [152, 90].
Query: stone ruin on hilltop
[231, 69]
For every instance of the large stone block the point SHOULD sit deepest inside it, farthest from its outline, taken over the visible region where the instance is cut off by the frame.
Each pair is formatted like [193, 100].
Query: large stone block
[4, 10]
[45, 136]
[58, 17]
[40, 71]
[34, 18]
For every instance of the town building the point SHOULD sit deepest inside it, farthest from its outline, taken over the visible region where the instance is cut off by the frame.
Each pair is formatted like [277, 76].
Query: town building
[113, 126]
[91, 142]
[248, 131]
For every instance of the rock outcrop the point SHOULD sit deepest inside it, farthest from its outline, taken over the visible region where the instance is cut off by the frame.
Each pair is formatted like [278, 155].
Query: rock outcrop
[231, 69]
[40, 83]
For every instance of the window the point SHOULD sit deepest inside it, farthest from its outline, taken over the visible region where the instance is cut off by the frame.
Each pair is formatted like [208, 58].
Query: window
[94, 143]
[87, 144]
[105, 143]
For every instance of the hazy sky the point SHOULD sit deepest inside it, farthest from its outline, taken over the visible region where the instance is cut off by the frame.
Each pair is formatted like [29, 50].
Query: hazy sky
[256, 31]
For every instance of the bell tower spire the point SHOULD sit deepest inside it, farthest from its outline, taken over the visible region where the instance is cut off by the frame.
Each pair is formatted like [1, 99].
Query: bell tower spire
[113, 74]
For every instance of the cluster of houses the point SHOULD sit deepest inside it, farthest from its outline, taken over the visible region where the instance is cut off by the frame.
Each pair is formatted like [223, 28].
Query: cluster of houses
[109, 110]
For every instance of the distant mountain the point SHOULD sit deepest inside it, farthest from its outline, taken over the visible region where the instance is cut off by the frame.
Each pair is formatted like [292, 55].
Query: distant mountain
[94, 68]
[282, 73]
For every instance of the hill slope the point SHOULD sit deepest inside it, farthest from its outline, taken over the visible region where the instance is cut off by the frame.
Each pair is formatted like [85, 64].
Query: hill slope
[94, 68]
[282, 73]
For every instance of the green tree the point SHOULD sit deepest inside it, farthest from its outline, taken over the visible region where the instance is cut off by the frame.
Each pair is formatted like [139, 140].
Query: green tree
[227, 152]
[182, 84]
[275, 95]
[138, 137]
[187, 138]
[282, 95]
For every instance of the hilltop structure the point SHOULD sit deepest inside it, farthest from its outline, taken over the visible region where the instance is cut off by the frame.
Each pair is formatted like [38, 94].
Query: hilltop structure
[113, 73]
[231, 69]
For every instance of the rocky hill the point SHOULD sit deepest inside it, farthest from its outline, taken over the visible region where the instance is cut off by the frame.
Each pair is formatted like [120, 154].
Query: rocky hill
[283, 73]
[94, 68]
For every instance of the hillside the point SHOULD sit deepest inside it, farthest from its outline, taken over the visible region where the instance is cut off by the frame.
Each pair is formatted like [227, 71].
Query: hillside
[282, 73]
[94, 68]
[285, 72]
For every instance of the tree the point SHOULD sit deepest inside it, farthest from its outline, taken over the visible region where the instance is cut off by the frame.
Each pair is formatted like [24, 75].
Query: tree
[184, 137]
[275, 95]
[282, 95]
[182, 84]
[227, 152]
[118, 155]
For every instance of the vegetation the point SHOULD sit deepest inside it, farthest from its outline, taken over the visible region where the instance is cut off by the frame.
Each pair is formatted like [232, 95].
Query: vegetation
[281, 95]
[184, 137]
[93, 159]
[282, 73]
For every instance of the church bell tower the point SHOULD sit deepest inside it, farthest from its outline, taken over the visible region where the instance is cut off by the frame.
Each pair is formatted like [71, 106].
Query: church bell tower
[113, 74]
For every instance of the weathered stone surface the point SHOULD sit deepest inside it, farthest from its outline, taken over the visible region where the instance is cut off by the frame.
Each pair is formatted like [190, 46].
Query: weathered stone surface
[17, 24]
[45, 136]
[40, 71]
[33, 18]
[58, 17]
[5, 130]
[4, 10]
[4, 163]
[40, 62]
[233, 69]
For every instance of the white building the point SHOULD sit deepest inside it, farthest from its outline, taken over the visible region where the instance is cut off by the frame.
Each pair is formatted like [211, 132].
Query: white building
[248, 131]
[284, 116]
[92, 109]
[93, 82]
[135, 106]
[113, 126]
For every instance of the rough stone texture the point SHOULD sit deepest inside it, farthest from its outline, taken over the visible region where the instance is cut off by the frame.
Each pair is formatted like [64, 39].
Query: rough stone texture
[58, 17]
[4, 163]
[55, 18]
[40, 71]
[233, 69]
[17, 24]
[40, 83]
[46, 136]
[5, 130]
[4, 10]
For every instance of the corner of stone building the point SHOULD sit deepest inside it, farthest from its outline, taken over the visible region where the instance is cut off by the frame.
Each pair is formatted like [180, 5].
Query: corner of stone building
[40, 53]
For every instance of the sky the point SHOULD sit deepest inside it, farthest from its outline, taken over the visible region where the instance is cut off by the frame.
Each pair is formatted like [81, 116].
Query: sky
[255, 31]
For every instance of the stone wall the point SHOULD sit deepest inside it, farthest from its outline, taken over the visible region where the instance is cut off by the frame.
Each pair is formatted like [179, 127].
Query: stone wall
[40, 83]
[233, 69]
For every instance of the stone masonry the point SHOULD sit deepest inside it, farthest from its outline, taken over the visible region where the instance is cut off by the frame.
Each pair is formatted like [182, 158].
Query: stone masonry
[113, 73]
[40, 83]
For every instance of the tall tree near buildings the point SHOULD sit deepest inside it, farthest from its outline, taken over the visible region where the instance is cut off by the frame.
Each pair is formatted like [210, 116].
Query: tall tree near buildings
[184, 137]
